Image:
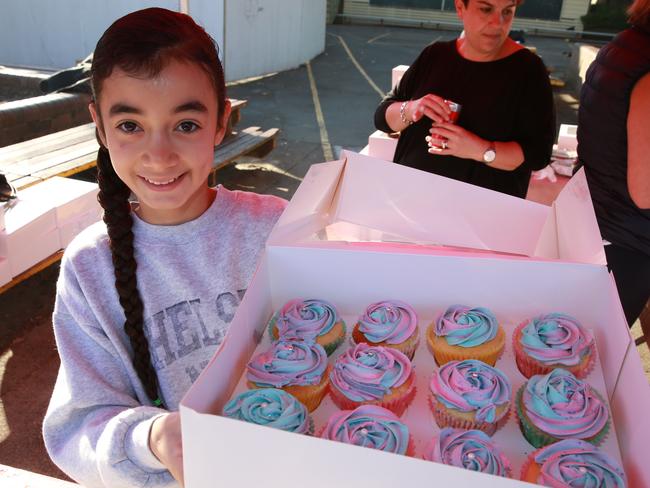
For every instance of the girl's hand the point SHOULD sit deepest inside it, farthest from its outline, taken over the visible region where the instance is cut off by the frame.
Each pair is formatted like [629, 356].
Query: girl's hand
[456, 141]
[430, 105]
[165, 443]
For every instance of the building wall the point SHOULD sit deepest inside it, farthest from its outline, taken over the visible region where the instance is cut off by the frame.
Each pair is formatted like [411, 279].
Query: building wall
[572, 10]
[255, 36]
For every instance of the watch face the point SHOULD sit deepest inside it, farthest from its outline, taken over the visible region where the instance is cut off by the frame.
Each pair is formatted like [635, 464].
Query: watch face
[489, 155]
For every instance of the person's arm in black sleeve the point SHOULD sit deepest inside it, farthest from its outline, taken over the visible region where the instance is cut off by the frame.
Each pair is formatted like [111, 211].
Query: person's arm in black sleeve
[536, 119]
[400, 93]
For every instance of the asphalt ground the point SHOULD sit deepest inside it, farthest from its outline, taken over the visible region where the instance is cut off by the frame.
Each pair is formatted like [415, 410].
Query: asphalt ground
[320, 108]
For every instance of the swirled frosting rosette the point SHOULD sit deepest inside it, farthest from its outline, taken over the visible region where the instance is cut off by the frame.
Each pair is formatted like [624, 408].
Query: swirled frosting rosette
[559, 406]
[573, 463]
[469, 449]
[375, 375]
[297, 367]
[470, 395]
[270, 407]
[390, 323]
[463, 332]
[369, 426]
[552, 341]
[309, 320]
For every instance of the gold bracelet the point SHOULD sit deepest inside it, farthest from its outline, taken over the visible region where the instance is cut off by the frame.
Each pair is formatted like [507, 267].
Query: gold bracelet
[402, 113]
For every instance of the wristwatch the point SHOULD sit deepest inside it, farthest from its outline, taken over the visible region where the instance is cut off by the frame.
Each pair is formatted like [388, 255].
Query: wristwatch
[490, 154]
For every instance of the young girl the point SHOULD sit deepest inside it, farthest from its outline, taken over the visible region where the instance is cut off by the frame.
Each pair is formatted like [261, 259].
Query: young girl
[145, 298]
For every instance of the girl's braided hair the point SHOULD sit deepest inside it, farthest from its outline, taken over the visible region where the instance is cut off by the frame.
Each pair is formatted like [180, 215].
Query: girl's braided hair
[142, 44]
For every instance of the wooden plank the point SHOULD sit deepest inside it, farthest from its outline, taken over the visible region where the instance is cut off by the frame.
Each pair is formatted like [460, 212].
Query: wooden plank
[42, 162]
[33, 270]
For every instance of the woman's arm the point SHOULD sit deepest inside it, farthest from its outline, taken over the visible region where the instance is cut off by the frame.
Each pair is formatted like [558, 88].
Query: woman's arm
[638, 144]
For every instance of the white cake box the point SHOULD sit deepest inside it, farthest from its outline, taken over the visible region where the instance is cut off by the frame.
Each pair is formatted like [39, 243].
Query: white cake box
[567, 137]
[5, 270]
[382, 145]
[397, 73]
[32, 234]
[363, 197]
[75, 202]
[2, 217]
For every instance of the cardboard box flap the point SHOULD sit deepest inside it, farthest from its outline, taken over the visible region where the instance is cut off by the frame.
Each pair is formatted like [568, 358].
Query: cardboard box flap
[406, 205]
[311, 204]
[577, 229]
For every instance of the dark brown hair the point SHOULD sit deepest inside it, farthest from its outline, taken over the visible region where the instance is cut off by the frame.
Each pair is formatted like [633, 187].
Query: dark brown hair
[142, 44]
[639, 13]
[517, 2]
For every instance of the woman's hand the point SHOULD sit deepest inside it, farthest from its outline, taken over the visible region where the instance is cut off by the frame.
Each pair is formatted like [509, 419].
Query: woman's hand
[430, 105]
[165, 443]
[453, 140]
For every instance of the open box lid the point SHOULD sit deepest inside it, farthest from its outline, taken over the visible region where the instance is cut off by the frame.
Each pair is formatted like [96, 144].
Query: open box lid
[360, 198]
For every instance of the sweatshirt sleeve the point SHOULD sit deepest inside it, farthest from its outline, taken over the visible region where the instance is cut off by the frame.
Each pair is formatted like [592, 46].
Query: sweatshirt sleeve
[536, 117]
[96, 428]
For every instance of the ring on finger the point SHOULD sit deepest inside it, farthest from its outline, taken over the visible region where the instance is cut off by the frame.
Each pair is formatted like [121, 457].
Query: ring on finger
[444, 144]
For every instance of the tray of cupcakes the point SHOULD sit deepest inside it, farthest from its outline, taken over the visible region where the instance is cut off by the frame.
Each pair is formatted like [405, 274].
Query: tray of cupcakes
[516, 397]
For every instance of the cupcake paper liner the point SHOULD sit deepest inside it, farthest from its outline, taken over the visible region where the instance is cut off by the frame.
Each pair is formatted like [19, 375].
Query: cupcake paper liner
[530, 469]
[309, 395]
[488, 352]
[445, 418]
[538, 438]
[529, 366]
[408, 347]
[396, 402]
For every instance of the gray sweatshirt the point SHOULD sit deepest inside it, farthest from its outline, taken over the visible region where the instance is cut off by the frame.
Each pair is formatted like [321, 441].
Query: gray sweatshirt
[191, 278]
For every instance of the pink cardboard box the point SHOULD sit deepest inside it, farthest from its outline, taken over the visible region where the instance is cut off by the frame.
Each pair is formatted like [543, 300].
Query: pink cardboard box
[433, 242]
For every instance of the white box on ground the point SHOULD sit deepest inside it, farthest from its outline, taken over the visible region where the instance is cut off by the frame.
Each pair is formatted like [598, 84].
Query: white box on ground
[397, 73]
[349, 273]
[32, 234]
[568, 137]
[75, 202]
[382, 145]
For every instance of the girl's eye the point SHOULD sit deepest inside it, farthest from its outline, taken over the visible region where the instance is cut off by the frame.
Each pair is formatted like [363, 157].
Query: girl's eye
[486, 10]
[508, 13]
[128, 127]
[187, 126]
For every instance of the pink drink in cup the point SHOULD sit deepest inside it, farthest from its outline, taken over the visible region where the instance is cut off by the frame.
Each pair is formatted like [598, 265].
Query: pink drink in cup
[436, 140]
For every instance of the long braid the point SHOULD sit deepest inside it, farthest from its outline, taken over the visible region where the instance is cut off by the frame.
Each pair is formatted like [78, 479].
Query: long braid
[114, 199]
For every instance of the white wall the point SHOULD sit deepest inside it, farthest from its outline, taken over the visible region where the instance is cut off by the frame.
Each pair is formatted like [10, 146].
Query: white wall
[258, 36]
[264, 36]
[56, 33]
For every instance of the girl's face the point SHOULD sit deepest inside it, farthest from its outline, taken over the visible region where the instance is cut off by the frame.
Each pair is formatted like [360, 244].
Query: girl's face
[160, 133]
[487, 25]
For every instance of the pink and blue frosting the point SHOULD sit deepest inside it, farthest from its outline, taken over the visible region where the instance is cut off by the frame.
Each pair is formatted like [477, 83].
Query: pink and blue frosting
[563, 406]
[470, 449]
[467, 327]
[573, 463]
[369, 426]
[390, 321]
[556, 338]
[306, 319]
[471, 386]
[270, 407]
[367, 373]
[288, 363]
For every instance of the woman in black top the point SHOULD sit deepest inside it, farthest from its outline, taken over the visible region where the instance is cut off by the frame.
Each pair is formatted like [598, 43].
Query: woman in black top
[506, 126]
[614, 148]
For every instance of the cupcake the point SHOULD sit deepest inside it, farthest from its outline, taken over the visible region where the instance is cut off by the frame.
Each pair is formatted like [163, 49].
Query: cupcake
[271, 407]
[573, 463]
[466, 333]
[370, 426]
[311, 321]
[552, 341]
[299, 368]
[559, 406]
[372, 375]
[470, 395]
[390, 323]
[469, 449]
